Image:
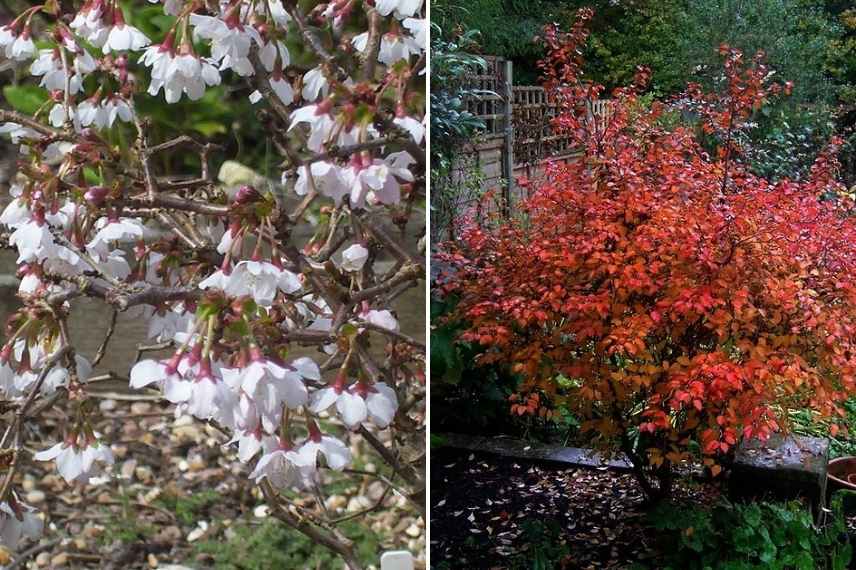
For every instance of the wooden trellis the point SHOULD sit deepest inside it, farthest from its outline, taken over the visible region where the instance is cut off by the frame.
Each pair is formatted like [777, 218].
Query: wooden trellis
[490, 105]
[521, 116]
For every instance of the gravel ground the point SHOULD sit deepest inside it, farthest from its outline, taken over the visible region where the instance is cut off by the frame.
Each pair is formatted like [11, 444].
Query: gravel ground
[174, 487]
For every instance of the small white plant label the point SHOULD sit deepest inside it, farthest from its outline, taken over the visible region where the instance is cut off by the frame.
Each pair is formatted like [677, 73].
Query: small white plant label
[396, 560]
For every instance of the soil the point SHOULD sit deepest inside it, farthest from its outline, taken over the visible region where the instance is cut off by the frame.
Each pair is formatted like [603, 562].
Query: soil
[481, 505]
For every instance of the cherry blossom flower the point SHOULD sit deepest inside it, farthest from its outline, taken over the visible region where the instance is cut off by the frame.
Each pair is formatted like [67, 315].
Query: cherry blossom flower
[269, 52]
[49, 67]
[116, 230]
[326, 177]
[315, 84]
[378, 182]
[17, 132]
[76, 462]
[33, 240]
[230, 41]
[89, 23]
[201, 393]
[419, 29]
[261, 280]
[283, 467]
[320, 122]
[59, 375]
[402, 8]
[282, 88]
[383, 318]
[170, 7]
[7, 38]
[122, 36]
[412, 126]
[267, 386]
[336, 453]
[358, 403]
[354, 257]
[381, 402]
[22, 48]
[188, 74]
[251, 441]
[18, 521]
[394, 47]
[149, 371]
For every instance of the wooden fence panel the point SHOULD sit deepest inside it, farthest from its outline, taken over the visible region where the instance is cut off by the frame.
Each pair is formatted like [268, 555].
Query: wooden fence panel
[522, 149]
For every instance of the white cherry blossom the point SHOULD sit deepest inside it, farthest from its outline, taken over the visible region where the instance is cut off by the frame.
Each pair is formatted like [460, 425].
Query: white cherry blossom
[283, 467]
[354, 257]
[326, 177]
[315, 84]
[76, 463]
[336, 453]
[383, 318]
[402, 8]
[18, 521]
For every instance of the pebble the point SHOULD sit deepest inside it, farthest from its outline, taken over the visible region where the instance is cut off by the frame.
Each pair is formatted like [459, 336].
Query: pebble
[107, 405]
[152, 560]
[35, 497]
[261, 511]
[376, 490]
[127, 469]
[168, 535]
[43, 559]
[336, 502]
[144, 474]
[140, 407]
[358, 503]
[60, 559]
[152, 495]
[28, 484]
[184, 420]
[196, 463]
[413, 530]
[198, 532]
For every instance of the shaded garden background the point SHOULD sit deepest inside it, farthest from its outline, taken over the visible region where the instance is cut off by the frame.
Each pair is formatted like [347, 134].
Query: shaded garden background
[530, 515]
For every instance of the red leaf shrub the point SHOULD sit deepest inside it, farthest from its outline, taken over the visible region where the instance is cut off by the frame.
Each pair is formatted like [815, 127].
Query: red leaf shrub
[688, 301]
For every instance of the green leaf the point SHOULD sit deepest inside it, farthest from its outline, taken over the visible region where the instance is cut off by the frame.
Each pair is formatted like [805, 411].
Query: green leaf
[25, 98]
[209, 128]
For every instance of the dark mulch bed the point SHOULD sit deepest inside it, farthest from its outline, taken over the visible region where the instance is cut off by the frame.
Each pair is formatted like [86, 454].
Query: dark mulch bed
[481, 503]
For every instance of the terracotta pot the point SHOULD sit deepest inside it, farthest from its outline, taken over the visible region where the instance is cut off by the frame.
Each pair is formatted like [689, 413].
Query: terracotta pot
[842, 473]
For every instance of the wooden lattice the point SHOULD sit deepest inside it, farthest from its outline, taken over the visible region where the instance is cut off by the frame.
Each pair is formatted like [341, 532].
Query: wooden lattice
[490, 105]
[534, 139]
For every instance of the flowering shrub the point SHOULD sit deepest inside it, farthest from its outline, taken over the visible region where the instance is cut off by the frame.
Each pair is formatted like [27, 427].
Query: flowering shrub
[218, 273]
[684, 302]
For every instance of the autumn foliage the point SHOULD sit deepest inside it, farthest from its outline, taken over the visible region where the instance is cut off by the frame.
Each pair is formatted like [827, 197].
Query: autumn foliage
[672, 299]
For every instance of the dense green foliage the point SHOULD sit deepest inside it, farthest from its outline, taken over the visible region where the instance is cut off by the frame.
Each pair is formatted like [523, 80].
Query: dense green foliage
[454, 184]
[753, 536]
[465, 398]
[843, 442]
[805, 40]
